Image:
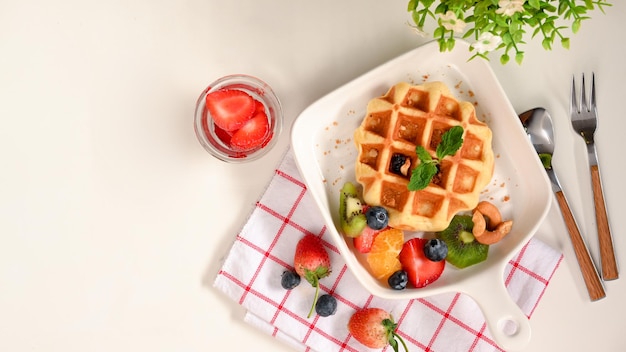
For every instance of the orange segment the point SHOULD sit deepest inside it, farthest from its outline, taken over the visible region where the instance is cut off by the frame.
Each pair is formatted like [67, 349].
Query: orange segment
[383, 258]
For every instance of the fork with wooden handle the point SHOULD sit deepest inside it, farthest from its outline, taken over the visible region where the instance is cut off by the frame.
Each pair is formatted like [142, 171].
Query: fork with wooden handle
[584, 121]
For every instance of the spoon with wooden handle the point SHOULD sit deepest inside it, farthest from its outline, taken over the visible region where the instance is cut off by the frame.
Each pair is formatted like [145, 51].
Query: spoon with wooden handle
[538, 125]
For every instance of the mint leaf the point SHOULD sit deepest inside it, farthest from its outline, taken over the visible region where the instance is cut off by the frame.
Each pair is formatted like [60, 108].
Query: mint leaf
[546, 160]
[423, 154]
[451, 141]
[424, 172]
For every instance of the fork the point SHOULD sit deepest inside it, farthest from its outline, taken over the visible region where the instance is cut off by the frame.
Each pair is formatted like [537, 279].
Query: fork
[584, 121]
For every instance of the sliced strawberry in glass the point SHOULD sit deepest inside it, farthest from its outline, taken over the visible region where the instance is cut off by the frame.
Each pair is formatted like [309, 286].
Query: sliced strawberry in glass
[230, 109]
[252, 134]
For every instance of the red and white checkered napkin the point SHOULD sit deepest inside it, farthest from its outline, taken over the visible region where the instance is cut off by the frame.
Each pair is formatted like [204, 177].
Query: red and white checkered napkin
[251, 274]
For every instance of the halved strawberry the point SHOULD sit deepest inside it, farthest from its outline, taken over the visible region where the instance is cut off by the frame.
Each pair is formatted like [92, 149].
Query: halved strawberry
[258, 107]
[230, 108]
[223, 135]
[420, 270]
[252, 134]
[363, 242]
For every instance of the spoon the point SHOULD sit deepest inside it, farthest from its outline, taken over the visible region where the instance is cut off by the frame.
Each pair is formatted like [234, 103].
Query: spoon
[538, 125]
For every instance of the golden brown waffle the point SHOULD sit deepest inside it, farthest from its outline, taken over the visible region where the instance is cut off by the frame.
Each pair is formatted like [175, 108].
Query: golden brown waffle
[409, 115]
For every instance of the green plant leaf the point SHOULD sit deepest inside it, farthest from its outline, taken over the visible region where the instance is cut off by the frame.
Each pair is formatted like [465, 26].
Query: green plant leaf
[562, 7]
[544, 19]
[500, 21]
[504, 59]
[442, 44]
[506, 38]
[416, 18]
[469, 33]
[580, 9]
[441, 8]
[534, 4]
[576, 26]
[439, 32]
[450, 44]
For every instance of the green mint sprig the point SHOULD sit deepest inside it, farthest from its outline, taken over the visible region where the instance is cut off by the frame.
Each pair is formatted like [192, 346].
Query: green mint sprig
[424, 172]
[502, 25]
[546, 160]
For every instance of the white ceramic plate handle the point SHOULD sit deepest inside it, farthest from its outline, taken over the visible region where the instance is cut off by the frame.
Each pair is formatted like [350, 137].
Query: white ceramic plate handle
[508, 325]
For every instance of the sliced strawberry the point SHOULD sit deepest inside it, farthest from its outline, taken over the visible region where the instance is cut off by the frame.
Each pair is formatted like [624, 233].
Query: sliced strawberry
[420, 270]
[252, 134]
[270, 135]
[363, 242]
[258, 107]
[223, 135]
[230, 108]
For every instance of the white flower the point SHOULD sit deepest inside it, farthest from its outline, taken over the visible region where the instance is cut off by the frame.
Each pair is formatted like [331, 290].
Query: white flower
[509, 7]
[486, 42]
[419, 31]
[450, 22]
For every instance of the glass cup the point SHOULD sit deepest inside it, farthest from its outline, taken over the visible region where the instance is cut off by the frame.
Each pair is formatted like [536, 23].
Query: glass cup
[216, 141]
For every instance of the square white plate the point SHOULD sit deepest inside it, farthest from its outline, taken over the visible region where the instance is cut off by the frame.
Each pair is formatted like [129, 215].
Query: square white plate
[322, 141]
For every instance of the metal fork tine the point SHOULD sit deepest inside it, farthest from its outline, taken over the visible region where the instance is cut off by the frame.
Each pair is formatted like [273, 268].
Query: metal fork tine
[583, 96]
[593, 91]
[573, 99]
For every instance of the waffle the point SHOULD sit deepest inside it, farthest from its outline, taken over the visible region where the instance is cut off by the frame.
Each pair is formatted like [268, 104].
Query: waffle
[409, 115]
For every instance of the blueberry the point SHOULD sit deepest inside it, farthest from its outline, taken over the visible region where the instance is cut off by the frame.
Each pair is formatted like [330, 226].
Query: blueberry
[396, 163]
[289, 279]
[326, 305]
[398, 280]
[377, 217]
[436, 250]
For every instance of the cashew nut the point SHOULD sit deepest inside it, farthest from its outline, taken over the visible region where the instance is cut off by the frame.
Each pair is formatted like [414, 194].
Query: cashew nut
[491, 212]
[480, 224]
[495, 230]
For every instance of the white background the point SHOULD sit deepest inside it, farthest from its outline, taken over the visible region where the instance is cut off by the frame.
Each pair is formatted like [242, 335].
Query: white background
[113, 219]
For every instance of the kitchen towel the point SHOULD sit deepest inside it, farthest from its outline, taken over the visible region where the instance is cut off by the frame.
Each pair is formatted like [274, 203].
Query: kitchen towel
[264, 249]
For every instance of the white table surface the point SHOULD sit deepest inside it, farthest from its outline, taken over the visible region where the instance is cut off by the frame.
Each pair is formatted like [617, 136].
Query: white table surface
[113, 219]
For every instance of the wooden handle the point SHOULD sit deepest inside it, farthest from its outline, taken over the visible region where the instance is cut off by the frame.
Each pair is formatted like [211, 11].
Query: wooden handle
[607, 254]
[588, 269]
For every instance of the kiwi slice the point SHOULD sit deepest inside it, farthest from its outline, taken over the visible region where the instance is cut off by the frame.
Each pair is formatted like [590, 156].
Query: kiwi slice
[353, 219]
[463, 249]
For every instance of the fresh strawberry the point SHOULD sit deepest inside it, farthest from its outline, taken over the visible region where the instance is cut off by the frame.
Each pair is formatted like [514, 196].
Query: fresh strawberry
[363, 242]
[375, 328]
[421, 270]
[223, 135]
[258, 107]
[230, 108]
[252, 134]
[312, 262]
